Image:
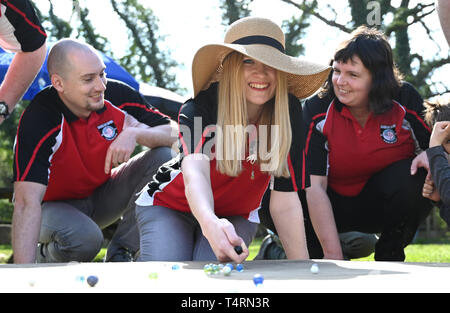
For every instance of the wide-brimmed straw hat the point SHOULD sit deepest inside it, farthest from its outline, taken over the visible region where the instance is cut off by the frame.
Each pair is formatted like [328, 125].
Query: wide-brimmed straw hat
[262, 40]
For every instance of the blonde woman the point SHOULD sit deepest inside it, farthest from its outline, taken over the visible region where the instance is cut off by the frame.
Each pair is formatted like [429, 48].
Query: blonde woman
[240, 133]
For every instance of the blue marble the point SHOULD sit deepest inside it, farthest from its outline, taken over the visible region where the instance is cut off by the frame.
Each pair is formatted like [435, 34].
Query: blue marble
[92, 280]
[258, 279]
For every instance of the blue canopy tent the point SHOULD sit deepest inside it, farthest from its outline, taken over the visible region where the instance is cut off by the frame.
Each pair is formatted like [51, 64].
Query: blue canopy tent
[113, 70]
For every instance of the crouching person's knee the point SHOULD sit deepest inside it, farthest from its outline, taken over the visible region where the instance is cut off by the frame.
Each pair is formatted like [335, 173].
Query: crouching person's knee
[82, 245]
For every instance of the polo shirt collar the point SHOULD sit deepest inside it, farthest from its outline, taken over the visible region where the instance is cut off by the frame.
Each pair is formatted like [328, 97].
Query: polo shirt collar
[344, 111]
[338, 104]
[69, 115]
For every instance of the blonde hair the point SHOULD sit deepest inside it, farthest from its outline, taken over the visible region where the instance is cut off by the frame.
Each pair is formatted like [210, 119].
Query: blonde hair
[232, 142]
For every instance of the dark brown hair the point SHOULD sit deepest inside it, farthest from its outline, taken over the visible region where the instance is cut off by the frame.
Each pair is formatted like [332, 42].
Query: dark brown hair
[375, 52]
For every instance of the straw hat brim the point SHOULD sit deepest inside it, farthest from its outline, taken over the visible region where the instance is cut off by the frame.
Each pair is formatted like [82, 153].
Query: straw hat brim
[304, 77]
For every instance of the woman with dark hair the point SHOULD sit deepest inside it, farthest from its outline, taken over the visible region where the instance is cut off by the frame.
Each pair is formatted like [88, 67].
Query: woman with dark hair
[364, 130]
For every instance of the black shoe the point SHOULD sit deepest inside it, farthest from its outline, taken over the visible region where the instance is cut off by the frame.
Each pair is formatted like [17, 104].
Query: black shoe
[40, 256]
[10, 259]
[120, 255]
[270, 249]
[267, 241]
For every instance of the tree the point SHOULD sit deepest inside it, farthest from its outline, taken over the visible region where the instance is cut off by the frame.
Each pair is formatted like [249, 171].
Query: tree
[56, 28]
[294, 28]
[87, 31]
[395, 20]
[234, 10]
[144, 59]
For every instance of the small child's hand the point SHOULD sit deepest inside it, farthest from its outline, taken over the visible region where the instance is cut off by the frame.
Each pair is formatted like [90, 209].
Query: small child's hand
[440, 134]
[429, 191]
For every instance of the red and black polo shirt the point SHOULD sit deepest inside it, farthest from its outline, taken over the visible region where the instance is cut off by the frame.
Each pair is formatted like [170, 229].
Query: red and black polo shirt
[239, 195]
[67, 154]
[338, 147]
[20, 29]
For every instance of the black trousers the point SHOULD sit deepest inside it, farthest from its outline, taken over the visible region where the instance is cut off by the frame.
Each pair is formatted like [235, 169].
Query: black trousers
[391, 204]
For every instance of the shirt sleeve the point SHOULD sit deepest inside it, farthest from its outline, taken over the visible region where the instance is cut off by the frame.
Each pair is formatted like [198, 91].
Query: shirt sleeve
[440, 172]
[299, 178]
[413, 102]
[133, 102]
[36, 142]
[20, 27]
[197, 125]
[316, 143]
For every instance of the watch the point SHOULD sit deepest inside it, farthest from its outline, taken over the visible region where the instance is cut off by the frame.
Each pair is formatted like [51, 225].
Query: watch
[4, 111]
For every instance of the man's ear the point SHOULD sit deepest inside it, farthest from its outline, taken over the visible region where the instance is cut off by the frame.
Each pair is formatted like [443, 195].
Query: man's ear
[57, 82]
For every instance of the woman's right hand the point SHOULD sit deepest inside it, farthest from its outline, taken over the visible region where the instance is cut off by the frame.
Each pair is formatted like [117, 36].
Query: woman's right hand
[223, 238]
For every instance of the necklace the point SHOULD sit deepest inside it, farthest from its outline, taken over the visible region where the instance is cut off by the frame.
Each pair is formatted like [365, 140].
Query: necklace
[252, 155]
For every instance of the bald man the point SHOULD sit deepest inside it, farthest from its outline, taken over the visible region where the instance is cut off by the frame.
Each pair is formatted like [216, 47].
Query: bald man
[443, 10]
[73, 172]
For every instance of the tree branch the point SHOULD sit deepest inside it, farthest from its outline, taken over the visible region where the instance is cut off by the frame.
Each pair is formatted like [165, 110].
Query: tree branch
[414, 12]
[310, 10]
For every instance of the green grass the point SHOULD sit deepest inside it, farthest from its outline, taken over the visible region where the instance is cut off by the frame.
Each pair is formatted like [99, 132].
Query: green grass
[254, 248]
[423, 252]
[430, 253]
[6, 251]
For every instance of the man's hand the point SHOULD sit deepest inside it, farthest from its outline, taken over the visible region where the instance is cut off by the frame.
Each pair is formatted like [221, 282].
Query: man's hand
[121, 149]
[420, 160]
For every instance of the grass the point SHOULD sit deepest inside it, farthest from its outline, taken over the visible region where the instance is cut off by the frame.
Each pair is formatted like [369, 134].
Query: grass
[429, 253]
[6, 251]
[419, 252]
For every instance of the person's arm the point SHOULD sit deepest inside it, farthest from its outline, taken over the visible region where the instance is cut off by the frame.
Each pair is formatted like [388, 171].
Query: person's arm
[287, 215]
[134, 133]
[322, 218]
[443, 10]
[26, 220]
[220, 233]
[439, 166]
[152, 137]
[21, 73]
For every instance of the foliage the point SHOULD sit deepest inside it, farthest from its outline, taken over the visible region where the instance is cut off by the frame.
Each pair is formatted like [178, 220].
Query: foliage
[144, 59]
[7, 135]
[295, 30]
[234, 10]
[431, 253]
[396, 19]
[6, 209]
